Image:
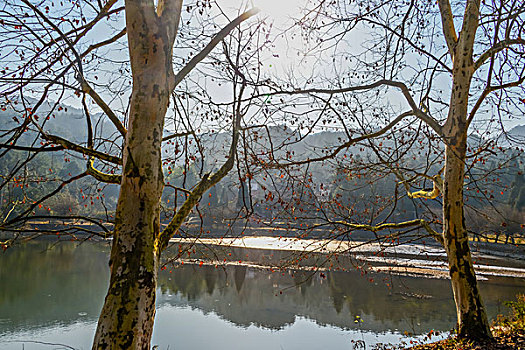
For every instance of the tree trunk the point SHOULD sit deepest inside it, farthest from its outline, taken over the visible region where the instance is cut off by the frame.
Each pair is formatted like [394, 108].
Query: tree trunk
[471, 315]
[126, 320]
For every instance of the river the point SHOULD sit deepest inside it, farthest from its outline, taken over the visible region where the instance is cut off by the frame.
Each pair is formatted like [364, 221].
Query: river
[52, 293]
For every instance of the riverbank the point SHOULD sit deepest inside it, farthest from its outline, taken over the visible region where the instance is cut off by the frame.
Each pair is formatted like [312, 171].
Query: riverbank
[414, 259]
[508, 331]
[55, 292]
[408, 259]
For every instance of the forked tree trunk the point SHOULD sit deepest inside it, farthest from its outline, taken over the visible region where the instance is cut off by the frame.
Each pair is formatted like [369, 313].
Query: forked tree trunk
[471, 315]
[126, 320]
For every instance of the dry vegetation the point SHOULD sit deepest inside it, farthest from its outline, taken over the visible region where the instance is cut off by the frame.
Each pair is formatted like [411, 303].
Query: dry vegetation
[508, 331]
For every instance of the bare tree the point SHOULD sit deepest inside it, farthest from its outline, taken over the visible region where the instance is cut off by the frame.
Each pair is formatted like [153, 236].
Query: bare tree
[378, 72]
[58, 59]
[406, 78]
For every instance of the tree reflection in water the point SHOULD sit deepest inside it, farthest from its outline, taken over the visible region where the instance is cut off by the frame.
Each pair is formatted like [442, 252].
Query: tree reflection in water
[249, 295]
[66, 284]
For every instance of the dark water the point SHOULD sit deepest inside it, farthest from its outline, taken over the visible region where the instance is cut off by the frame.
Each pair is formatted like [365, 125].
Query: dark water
[53, 294]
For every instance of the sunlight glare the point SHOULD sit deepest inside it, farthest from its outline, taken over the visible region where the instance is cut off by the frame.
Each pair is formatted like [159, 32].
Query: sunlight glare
[279, 10]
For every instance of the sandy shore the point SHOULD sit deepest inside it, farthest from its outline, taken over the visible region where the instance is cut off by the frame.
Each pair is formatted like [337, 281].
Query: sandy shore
[407, 259]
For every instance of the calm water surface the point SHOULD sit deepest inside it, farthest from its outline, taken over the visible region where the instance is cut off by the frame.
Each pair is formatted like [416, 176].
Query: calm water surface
[53, 294]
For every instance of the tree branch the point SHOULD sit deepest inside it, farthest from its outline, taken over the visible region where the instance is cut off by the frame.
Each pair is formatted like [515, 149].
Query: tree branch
[100, 102]
[77, 148]
[386, 226]
[169, 13]
[449, 31]
[436, 189]
[468, 30]
[176, 135]
[404, 89]
[44, 198]
[206, 182]
[487, 91]
[349, 143]
[211, 45]
[495, 49]
[100, 176]
[32, 149]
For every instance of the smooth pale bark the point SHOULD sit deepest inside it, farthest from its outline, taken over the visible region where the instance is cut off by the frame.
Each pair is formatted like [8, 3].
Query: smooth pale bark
[471, 315]
[126, 320]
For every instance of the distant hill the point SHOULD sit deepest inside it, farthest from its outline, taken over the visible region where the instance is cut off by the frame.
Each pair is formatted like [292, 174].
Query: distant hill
[276, 142]
[518, 131]
[66, 121]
